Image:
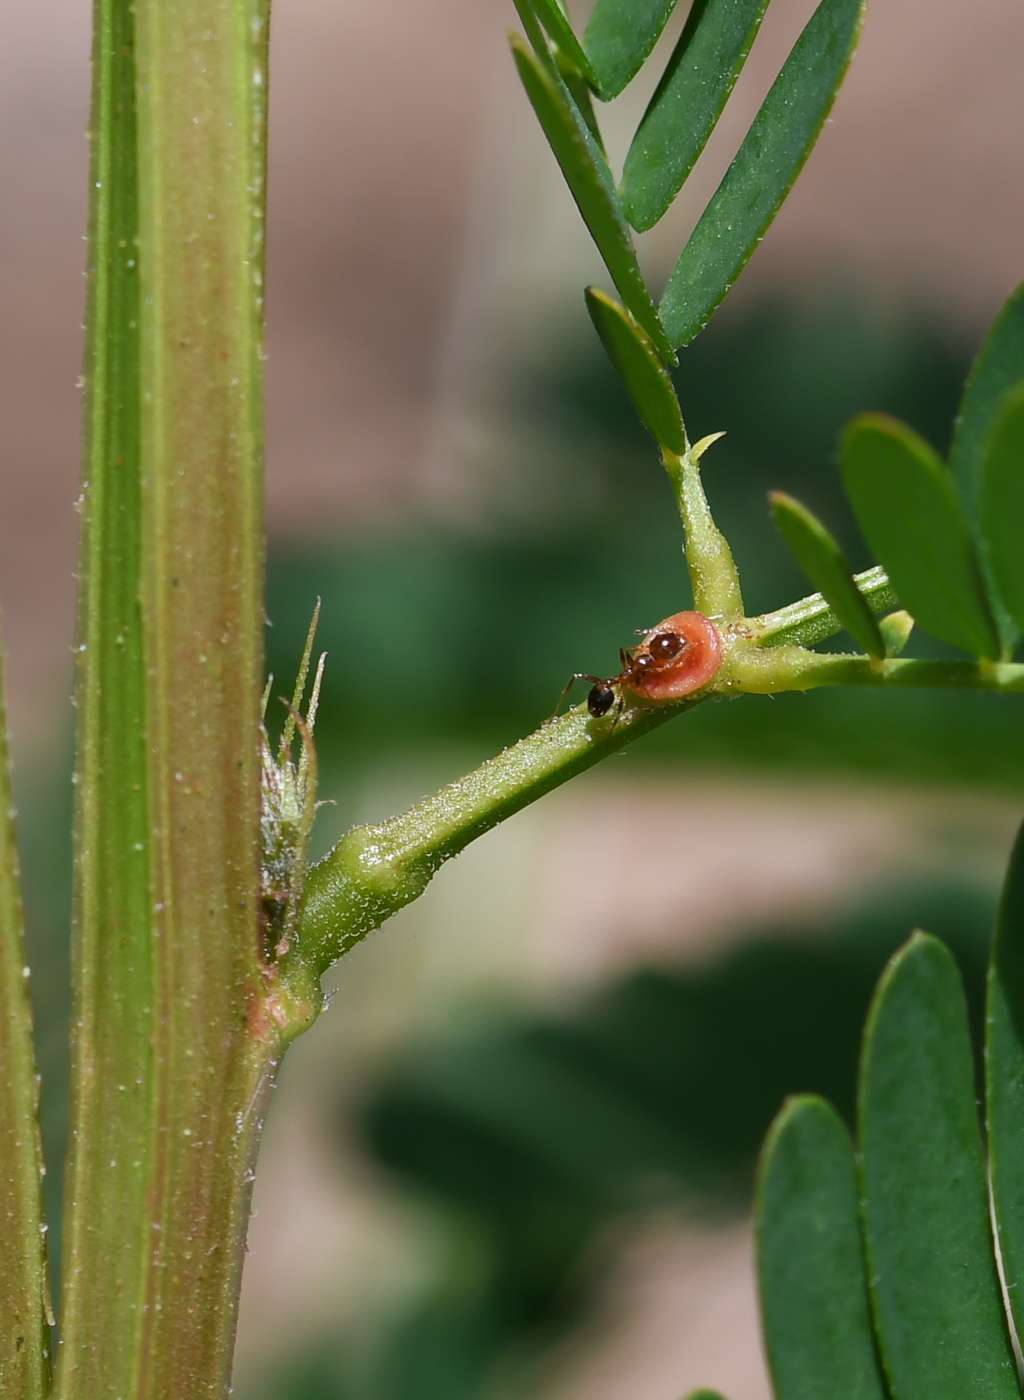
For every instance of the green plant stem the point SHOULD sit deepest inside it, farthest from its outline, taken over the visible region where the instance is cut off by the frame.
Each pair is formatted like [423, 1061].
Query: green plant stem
[755, 672]
[376, 870]
[176, 1041]
[24, 1288]
[713, 574]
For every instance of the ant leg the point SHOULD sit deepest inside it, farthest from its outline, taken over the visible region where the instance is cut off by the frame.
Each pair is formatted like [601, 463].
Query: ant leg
[576, 676]
[620, 706]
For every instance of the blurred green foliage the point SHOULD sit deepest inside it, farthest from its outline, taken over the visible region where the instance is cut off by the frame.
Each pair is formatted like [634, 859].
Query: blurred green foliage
[439, 633]
[532, 1134]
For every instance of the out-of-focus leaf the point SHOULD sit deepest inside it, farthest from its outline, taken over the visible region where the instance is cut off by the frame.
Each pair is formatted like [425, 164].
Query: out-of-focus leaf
[1001, 503]
[998, 367]
[1004, 1079]
[642, 371]
[773, 152]
[705, 1395]
[688, 101]
[814, 1293]
[937, 1306]
[589, 179]
[620, 35]
[822, 561]
[556, 22]
[910, 515]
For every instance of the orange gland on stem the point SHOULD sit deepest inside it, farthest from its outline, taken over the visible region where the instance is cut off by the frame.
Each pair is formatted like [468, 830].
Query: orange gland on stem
[680, 655]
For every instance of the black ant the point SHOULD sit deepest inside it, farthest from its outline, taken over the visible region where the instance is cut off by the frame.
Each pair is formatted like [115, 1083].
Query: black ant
[660, 652]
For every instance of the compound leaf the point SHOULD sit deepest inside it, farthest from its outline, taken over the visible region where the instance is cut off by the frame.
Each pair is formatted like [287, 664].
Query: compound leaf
[937, 1305]
[620, 35]
[1004, 1078]
[589, 179]
[910, 515]
[821, 559]
[641, 370]
[772, 154]
[688, 101]
[814, 1293]
[1001, 503]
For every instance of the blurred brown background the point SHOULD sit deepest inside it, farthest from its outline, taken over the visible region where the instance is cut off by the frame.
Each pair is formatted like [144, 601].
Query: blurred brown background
[416, 224]
[419, 236]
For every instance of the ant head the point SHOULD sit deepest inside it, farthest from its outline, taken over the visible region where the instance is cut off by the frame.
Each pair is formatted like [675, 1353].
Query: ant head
[600, 700]
[665, 646]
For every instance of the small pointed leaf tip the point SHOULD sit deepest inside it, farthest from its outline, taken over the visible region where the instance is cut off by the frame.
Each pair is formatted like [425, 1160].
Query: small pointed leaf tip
[821, 559]
[910, 514]
[641, 370]
[699, 448]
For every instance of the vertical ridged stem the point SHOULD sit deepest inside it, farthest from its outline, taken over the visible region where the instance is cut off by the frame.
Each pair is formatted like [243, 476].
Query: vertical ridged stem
[173, 1050]
[24, 1332]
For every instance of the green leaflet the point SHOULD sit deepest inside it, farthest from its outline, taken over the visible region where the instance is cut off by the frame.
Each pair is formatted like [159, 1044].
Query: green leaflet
[642, 372]
[589, 179]
[822, 561]
[1004, 1078]
[814, 1294]
[1001, 503]
[705, 1395]
[935, 1293]
[911, 517]
[998, 367]
[772, 154]
[687, 103]
[620, 36]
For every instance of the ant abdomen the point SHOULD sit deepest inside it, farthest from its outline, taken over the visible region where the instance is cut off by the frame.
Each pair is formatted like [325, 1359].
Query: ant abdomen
[600, 700]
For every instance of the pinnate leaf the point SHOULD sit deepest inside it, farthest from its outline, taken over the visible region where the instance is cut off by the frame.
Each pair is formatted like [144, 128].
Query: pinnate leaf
[771, 156]
[1001, 503]
[620, 36]
[814, 1293]
[642, 372]
[910, 515]
[688, 102]
[937, 1306]
[589, 179]
[821, 559]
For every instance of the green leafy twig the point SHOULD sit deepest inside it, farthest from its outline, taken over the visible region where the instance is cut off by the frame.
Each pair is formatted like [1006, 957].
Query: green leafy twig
[175, 1042]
